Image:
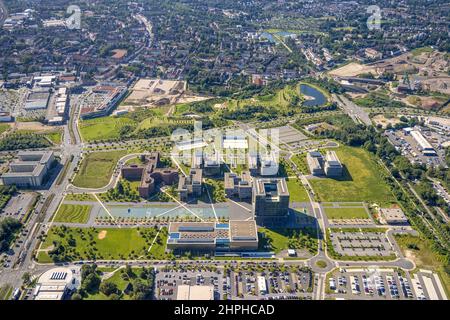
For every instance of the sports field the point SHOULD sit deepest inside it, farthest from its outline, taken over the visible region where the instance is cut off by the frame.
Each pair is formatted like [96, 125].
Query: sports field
[346, 213]
[73, 213]
[96, 169]
[103, 243]
[363, 180]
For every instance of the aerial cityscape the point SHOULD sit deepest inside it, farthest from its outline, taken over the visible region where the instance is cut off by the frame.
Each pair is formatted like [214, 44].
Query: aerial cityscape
[224, 150]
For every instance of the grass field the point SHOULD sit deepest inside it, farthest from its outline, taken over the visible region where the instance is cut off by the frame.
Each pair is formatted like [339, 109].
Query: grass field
[5, 292]
[79, 197]
[346, 213]
[104, 243]
[73, 213]
[103, 128]
[419, 250]
[55, 136]
[297, 191]
[116, 279]
[363, 180]
[4, 127]
[96, 169]
[283, 239]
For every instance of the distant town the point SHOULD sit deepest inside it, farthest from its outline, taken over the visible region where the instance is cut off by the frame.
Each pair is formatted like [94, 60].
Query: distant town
[224, 150]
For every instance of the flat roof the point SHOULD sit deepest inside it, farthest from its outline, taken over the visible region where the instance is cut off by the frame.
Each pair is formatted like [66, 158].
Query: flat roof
[280, 183]
[243, 230]
[186, 292]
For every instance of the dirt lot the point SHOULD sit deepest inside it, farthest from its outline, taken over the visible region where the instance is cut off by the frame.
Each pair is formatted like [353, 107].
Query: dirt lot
[381, 119]
[352, 69]
[33, 126]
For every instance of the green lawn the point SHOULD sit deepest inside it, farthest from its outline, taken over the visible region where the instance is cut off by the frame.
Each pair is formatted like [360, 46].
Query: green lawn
[420, 251]
[104, 243]
[296, 191]
[54, 136]
[346, 213]
[103, 128]
[79, 197]
[363, 180]
[283, 239]
[97, 168]
[73, 213]
[116, 279]
[5, 292]
[4, 127]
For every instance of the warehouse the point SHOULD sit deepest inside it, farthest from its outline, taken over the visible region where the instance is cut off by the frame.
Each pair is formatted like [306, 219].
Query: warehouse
[424, 145]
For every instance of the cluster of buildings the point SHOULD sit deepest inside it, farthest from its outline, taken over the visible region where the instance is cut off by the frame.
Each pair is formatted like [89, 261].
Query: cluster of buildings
[329, 166]
[106, 99]
[150, 175]
[61, 103]
[30, 169]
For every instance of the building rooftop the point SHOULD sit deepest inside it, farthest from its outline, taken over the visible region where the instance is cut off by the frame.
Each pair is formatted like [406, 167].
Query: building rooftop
[271, 187]
[186, 292]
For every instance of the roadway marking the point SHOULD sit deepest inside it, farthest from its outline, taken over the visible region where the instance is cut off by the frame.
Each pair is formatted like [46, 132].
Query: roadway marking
[107, 211]
[212, 205]
[181, 204]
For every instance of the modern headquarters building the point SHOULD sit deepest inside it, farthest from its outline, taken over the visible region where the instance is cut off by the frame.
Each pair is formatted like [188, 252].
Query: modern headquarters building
[333, 166]
[238, 185]
[212, 236]
[315, 163]
[329, 166]
[150, 175]
[190, 185]
[29, 169]
[270, 201]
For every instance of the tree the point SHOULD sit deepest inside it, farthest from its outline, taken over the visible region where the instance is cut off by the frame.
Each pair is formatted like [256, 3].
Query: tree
[26, 278]
[77, 296]
[108, 288]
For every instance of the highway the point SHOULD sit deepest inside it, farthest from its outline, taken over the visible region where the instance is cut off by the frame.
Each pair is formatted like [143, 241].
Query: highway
[358, 114]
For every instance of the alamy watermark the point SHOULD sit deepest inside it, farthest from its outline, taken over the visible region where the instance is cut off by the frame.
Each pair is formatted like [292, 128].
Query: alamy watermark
[233, 147]
[374, 20]
[3, 13]
[74, 21]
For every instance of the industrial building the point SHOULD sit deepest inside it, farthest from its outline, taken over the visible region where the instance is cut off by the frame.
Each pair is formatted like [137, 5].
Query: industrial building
[57, 284]
[238, 186]
[426, 148]
[191, 185]
[150, 175]
[29, 169]
[187, 292]
[270, 201]
[37, 100]
[212, 236]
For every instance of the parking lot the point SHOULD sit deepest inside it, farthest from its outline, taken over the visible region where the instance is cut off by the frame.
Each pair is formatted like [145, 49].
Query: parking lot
[271, 285]
[352, 243]
[370, 284]
[18, 205]
[167, 282]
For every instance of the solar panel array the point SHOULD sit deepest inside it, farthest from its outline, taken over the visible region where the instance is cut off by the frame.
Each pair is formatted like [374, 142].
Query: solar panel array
[58, 276]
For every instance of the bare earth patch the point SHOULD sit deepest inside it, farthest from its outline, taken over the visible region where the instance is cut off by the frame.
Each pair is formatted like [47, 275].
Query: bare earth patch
[102, 234]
